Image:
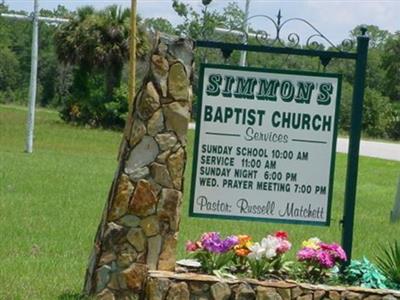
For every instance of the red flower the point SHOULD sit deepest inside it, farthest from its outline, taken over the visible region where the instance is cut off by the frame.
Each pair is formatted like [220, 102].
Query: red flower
[282, 235]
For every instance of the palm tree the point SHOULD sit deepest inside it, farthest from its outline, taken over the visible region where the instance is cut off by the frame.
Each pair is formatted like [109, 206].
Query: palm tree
[98, 41]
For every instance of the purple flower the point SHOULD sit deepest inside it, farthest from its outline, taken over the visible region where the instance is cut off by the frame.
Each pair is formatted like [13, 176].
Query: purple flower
[306, 254]
[212, 242]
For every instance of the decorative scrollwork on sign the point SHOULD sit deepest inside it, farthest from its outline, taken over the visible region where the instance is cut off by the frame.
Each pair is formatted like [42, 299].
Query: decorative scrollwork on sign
[277, 37]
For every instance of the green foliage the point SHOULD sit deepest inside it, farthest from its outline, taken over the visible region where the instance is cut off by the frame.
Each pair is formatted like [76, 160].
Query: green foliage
[211, 262]
[391, 64]
[93, 108]
[159, 24]
[388, 262]
[96, 43]
[196, 25]
[365, 274]
[9, 77]
[378, 114]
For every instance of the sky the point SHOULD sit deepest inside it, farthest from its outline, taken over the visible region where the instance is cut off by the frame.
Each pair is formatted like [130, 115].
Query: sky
[333, 18]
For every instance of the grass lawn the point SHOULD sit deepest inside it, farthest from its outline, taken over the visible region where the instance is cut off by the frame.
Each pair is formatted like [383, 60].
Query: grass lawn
[51, 202]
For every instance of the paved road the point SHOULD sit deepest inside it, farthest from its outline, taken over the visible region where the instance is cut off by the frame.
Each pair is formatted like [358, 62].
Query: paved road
[367, 148]
[372, 149]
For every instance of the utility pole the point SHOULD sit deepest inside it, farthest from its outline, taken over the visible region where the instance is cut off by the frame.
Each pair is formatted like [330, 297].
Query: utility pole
[244, 33]
[34, 64]
[243, 54]
[30, 122]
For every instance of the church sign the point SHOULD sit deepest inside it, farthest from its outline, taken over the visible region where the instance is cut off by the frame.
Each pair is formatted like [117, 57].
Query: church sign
[265, 144]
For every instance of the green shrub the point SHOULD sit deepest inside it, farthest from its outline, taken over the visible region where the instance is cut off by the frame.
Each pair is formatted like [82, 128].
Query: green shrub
[388, 262]
[378, 118]
[92, 107]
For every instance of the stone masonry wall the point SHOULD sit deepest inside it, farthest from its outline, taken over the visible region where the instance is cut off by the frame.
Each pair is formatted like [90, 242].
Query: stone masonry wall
[140, 223]
[187, 286]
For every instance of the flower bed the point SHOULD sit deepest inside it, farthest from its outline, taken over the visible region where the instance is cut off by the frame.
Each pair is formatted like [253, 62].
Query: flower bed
[185, 286]
[240, 256]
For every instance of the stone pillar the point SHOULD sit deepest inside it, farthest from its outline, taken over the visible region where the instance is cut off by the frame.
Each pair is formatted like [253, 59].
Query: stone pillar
[140, 223]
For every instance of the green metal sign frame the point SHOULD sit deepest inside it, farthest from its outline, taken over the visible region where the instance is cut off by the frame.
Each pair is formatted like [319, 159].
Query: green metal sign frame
[197, 141]
[360, 57]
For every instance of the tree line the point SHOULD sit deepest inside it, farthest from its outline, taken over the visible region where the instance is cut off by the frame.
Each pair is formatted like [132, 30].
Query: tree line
[83, 63]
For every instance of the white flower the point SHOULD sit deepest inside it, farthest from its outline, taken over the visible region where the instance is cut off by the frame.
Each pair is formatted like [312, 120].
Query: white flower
[270, 253]
[270, 244]
[256, 251]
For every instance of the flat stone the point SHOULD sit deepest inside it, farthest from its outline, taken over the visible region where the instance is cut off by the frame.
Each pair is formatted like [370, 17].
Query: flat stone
[129, 221]
[162, 49]
[139, 173]
[120, 202]
[102, 277]
[150, 225]
[177, 118]
[296, 292]
[156, 187]
[333, 295]
[318, 295]
[352, 296]
[107, 258]
[176, 165]
[105, 295]
[305, 297]
[126, 255]
[143, 202]
[153, 251]
[157, 288]
[113, 234]
[178, 82]
[113, 284]
[144, 153]
[178, 291]
[155, 123]
[137, 239]
[198, 288]
[373, 297]
[168, 207]
[265, 293]
[167, 258]
[220, 291]
[284, 293]
[184, 52]
[149, 102]
[245, 292]
[161, 175]
[135, 276]
[389, 297]
[166, 141]
[162, 158]
[137, 133]
[160, 68]
[166, 100]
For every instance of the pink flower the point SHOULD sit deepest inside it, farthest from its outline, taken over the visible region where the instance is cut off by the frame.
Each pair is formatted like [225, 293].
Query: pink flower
[325, 259]
[306, 254]
[284, 246]
[339, 252]
[191, 246]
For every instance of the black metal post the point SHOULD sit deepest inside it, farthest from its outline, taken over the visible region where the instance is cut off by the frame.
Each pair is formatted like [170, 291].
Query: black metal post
[354, 143]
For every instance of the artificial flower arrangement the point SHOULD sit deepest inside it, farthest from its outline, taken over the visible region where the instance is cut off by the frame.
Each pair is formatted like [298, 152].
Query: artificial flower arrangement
[264, 259]
[319, 258]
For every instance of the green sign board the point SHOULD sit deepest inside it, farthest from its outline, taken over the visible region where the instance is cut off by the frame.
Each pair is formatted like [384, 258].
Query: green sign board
[265, 144]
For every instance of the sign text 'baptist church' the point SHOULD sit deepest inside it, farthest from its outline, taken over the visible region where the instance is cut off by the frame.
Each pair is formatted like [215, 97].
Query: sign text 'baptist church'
[265, 144]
